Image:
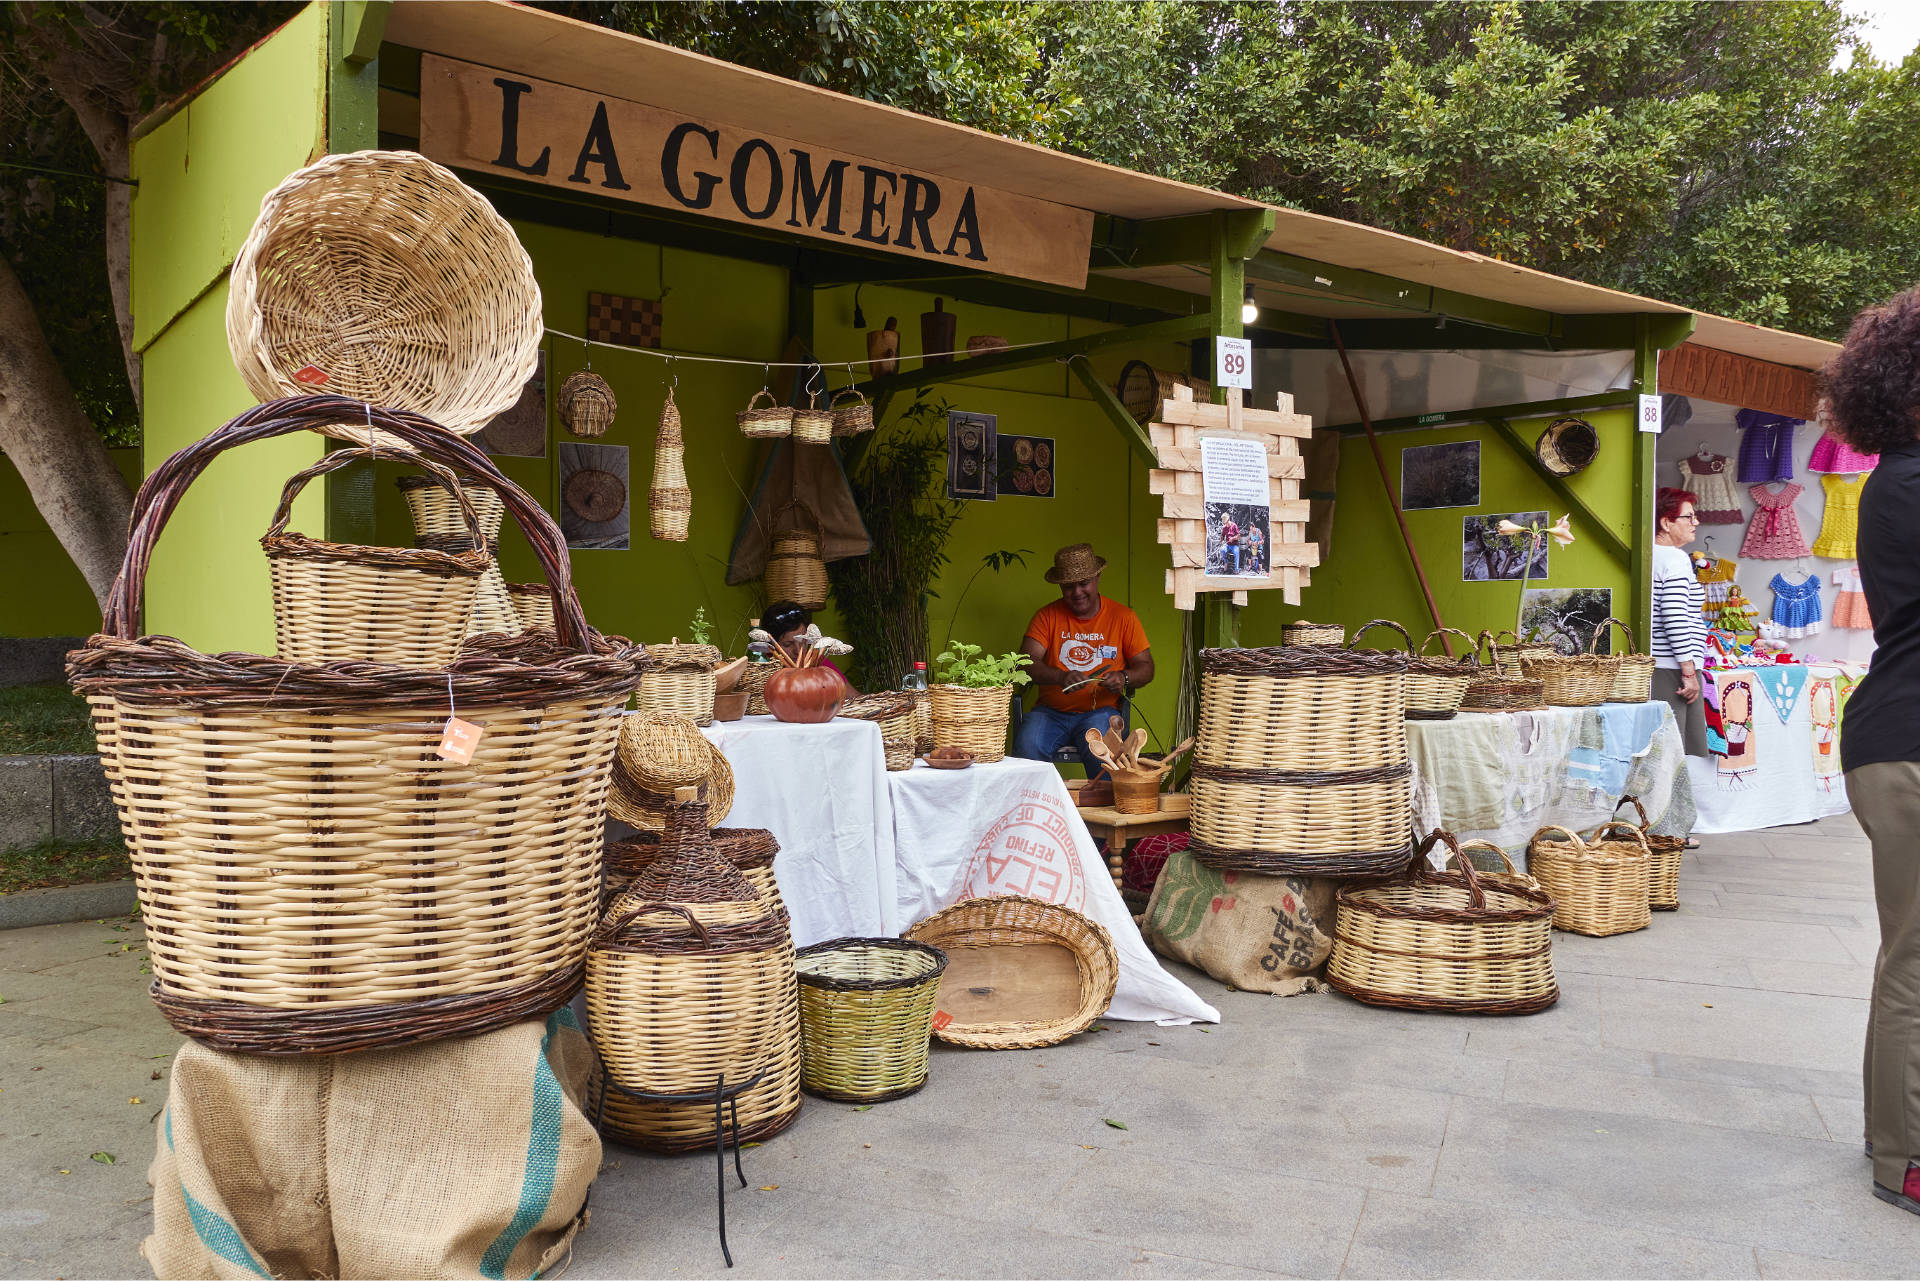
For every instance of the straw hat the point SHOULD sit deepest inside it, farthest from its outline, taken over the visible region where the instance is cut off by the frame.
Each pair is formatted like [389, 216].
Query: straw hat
[1075, 564]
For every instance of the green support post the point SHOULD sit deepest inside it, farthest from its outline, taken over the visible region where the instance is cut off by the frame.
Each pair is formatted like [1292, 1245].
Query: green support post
[1609, 538]
[1652, 335]
[354, 28]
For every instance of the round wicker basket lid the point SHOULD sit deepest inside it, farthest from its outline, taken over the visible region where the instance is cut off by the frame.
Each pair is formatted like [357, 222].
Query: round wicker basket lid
[664, 749]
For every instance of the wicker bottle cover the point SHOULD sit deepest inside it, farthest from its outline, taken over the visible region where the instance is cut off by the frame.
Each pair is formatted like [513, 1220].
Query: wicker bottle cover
[669, 501]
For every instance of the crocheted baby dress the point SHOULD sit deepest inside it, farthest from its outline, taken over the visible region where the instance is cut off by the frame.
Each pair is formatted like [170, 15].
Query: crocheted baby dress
[1766, 446]
[1774, 533]
[1796, 606]
[1710, 478]
[1850, 605]
[1840, 523]
[1831, 454]
[1715, 573]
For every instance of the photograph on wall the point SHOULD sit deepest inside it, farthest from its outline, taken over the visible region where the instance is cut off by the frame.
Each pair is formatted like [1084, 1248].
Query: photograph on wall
[1568, 617]
[973, 455]
[521, 432]
[595, 511]
[1440, 476]
[1026, 466]
[1235, 490]
[1487, 555]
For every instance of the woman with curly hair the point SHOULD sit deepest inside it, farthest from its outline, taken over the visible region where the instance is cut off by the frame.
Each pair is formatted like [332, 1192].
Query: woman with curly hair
[1873, 395]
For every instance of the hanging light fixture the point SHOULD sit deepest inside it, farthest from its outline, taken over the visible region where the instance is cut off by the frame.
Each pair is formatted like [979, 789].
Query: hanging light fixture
[1249, 308]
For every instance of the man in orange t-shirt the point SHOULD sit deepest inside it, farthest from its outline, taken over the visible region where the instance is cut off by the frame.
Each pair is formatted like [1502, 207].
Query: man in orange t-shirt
[1089, 653]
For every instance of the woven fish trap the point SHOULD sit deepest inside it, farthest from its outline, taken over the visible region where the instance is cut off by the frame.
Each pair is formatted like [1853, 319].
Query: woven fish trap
[380, 277]
[1573, 680]
[336, 602]
[1436, 940]
[750, 849]
[974, 720]
[690, 983]
[1304, 708]
[1306, 633]
[682, 682]
[646, 809]
[893, 712]
[437, 513]
[765, 422]
[1633, 682]
[795, 570]
[532, 605]
[1491, 689]
[1436, 685]
[1663, 861]
[669, 500]
[314, 877]
[1509, 659]
[1011, 921]
[1599, 887]
[866, 1017]
[586, 403]
[852, 412]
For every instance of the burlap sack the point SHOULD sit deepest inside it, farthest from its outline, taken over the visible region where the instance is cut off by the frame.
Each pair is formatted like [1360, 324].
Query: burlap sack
[460, 1158]
[1258, 933]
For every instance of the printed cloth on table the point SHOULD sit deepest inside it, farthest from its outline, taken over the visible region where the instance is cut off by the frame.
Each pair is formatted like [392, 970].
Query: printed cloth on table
[1782, 686]
[1612, 736]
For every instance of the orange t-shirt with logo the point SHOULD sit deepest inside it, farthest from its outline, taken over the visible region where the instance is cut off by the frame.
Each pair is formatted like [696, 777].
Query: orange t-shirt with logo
[1086, 647]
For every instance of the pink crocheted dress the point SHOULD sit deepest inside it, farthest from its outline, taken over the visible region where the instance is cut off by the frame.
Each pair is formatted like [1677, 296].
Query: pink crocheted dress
[1774, 533]
[1831, 454]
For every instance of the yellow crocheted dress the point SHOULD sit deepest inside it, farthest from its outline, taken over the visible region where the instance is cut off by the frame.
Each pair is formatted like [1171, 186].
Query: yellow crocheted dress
[1840, 525]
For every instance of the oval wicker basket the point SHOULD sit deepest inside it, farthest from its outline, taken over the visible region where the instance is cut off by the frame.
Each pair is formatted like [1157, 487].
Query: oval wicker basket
[765, 422]
[278, 814]
[1013, 921]
[892, 711]
[1568, 446]
[380, 277]
[1663, 861]
[532, 605]
[795, 571]
[750, 849]
[1305, 633]
[1599, 887]
[333, 602]
[1455, 941]
[1574, 680]
[1434, 686]
[852, 412]
[679, 678]
[866, 1015]
[1492, 690]
[974, 720]
[1633, 682]
[1300, 762]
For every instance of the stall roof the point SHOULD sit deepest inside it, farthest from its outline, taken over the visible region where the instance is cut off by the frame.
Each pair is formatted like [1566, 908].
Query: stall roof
[505, 35]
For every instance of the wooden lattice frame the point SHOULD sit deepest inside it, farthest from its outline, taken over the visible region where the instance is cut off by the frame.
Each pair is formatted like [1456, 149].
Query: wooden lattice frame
[1176, 435]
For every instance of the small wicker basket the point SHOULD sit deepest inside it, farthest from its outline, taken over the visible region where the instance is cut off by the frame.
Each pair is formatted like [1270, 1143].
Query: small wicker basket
[1517, 651]
[1663, 861]
[1014, 921]
[1437, 684]
[893, 712]
[795, 569]
[814, 424]
[1493, 690]
[866, 1016]
[1574, 680]
[587, 404]
[334, 602]
[852, 412]
[1453, 941]
[765, 422]
[1305, 633]
[753, 682]
[1633, 682]
[1599, 887]
[974, 720]
[437, 513]
[1135, 792]
[679, 678]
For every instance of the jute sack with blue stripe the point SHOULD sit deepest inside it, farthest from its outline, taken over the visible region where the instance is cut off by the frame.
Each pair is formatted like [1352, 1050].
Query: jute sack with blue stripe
[458, 1158]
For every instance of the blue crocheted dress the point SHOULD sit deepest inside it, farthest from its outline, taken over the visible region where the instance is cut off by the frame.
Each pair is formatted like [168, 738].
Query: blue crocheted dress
[1796, 606]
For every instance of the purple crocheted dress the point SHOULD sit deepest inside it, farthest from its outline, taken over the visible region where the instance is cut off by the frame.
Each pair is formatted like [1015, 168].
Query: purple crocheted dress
[1766, 446]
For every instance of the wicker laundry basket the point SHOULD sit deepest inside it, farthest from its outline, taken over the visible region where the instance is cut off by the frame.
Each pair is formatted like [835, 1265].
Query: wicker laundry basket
[1663, 861]
[892, 710]
[1599, 887]
[1300, 763]
[690, 982]
[1012, 928]
[314, 876]
[335, 602]
[972, 719]
[679, 678]
[750, 849]
[1633, 682]
[380, 277]
[1436, 940]
[866, 1016]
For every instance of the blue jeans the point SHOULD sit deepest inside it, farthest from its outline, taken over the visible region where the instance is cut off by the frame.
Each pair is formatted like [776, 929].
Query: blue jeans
[1044, 731]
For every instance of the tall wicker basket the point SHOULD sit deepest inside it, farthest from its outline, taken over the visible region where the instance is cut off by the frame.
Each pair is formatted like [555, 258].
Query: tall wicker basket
[669, 501]
[795, 570]
[1300, 765]
[974, 720]
[314, 876]
[1599, 887]
[333, 602]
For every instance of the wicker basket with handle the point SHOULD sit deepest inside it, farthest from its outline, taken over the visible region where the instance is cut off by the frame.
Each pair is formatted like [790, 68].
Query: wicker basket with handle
[1517, 651]
[852, 412]
[1599, 887]
[381, 277]
[334, 602]
[814, 424]
[866, 1016]
[1436, 685]
[1633, 682]
[795, 570]
[974, 720]
[1491, 689]
[1574, 680]
[765, 422]
[269, 805]
[1663, 861]
[1437, 940]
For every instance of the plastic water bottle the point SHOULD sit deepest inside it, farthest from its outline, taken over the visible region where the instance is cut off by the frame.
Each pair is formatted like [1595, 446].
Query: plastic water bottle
[915, 680]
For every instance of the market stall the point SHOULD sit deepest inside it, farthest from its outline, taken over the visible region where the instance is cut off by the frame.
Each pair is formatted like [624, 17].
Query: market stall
[1774, 738]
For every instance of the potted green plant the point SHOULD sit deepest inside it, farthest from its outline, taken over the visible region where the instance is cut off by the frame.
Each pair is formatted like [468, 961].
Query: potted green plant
[973, 697]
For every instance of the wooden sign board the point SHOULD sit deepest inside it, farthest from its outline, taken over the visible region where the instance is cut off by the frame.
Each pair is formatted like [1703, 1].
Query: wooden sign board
[477, 118]
[1741, 381]
[1182, 424]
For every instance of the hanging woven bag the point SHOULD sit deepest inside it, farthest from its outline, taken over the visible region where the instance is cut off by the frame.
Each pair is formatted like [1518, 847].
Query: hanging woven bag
[669, 501]
[587, 404]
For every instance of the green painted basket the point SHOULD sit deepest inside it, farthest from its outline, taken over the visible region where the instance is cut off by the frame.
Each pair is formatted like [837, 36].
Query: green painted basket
[866, 1016]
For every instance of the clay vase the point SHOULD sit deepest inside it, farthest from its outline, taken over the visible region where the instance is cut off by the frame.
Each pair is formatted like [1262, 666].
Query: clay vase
[938, 329]
[804, 695]
[883, 349]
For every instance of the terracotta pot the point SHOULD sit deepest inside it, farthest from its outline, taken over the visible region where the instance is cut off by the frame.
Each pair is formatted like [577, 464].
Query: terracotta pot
[805, 695]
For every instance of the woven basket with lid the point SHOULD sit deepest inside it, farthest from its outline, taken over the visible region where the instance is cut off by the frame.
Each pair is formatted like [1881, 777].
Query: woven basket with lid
[690, 982]
[681, 680]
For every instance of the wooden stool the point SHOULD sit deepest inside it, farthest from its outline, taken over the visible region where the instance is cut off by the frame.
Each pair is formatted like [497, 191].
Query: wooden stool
[1116, 829]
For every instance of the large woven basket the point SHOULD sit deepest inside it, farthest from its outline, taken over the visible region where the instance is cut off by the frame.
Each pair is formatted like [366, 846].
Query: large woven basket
[892, 711]
[974, 926]
[690, 984]
[1306, 633]
[750, 849]
[1663, 861]
[1598, 887]
[1633, 682]
[680, 680]
[380, 277]
[335, 602]
[1492, 689]
[795, 571]
[1452, 941]
[866, 1012]
[972, 719]
[313, 874]
[1300, 763]
[1573, 680]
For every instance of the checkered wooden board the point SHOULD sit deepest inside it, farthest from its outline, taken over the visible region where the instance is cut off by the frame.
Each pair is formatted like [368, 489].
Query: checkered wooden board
[630, 322]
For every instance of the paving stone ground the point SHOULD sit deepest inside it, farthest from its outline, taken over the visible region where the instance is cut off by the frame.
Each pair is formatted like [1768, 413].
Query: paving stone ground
[1691, 1107]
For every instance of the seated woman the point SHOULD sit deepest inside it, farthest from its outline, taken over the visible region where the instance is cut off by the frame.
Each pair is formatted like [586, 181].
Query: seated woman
[787, 623]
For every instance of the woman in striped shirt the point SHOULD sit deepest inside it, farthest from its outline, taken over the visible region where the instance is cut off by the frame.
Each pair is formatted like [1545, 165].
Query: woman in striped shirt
[1679, 631]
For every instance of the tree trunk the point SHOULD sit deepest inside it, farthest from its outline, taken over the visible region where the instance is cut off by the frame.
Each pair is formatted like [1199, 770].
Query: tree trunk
[78, 491]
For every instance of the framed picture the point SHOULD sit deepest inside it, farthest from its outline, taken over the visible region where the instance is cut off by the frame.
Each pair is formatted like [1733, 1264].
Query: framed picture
[1568, 617]
[1026, 466]
[973, 456]
[1487, 555]
[1440, 476]
[595, 500]
[1235, 490]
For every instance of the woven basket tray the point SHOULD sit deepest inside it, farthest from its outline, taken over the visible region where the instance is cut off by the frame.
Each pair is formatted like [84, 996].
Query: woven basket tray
[1599, 887]
[972, 719]
[283, 809]
[866, 1015]
[1633, 682]
[1012, 946]
[1663, 861]
[1453, 941]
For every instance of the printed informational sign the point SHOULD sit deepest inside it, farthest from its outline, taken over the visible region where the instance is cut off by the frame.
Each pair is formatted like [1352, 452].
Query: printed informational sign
[973, 455]
[1233, 363]
[1234, 489]
[1650, 414]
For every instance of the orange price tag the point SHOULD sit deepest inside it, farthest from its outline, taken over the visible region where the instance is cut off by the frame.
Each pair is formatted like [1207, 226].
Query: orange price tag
[941, 1019]
[311, 375]
[459, 739]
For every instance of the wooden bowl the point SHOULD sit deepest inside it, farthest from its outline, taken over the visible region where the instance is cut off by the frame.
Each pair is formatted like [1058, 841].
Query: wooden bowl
[947, 762]
[730, 707]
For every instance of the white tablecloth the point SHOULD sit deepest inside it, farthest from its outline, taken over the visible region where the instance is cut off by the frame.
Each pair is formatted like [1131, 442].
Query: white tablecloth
[868, 853]
[1782, 787]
